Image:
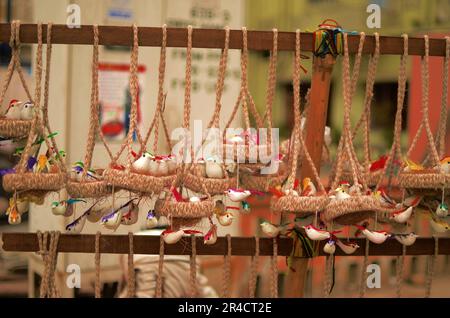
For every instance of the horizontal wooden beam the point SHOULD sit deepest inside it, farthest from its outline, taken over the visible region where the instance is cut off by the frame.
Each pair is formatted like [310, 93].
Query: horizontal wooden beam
[240, 246]
[212, 38]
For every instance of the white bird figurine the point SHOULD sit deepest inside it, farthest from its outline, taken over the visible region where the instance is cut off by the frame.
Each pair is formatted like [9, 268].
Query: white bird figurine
[330, 247]
[112, 220]
[171, 162]
[161, 167]
[340, 194]
[200, 168]
[406, 239]
[225, 219]
[291, 192]
[77, 226]
[402, 215]
[210, 237]
[27, 111]
[271, 230]
[237, 195]
[130, 214]
[194, 199]
[377, 237]
[14, 109]
[347, 247]
[213, 168]
[171, 236]
[316, 234]
[151, 221]
[142, 165]
[444, 165]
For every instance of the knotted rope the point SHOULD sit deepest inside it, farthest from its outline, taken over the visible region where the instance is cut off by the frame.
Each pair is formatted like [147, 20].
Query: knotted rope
[49, 253]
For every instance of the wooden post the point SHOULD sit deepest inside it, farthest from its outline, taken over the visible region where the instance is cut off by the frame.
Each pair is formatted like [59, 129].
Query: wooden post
[315, 127]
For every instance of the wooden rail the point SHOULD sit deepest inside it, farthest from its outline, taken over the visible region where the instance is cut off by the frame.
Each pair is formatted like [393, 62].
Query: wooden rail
[212, 38]
[241, 246]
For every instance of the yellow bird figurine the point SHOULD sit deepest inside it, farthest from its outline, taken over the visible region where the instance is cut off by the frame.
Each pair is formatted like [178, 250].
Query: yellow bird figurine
[42, 164]
[445, 165]
[412, 166]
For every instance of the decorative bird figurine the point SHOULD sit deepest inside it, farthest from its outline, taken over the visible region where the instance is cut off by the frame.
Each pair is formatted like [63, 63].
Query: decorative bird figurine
[213, 168]
[330, 247]
[237, 195]
[113, 220]
[309, 189]
[291, 192]
[442, 210]
[406, 239]
[271, 230]
[410, 165]
[347, 247]
[210, 237]
[171, 162]
[377, 237]
[171, 236]
[402, 215]
[225, 219]
[444, 165]
[27, 111]
[316, 234]
[14, 109]
[355, 189]
[65, 207]
[438, 225]
[384, 199]
[151, 220]
[194, 199]
[130, 214]
[142, 165]
[14, 217]
[412, 201]
[200, 168]
[378, 164]
[42, 164]
[161, 168]
[340, 194]
[77, 226]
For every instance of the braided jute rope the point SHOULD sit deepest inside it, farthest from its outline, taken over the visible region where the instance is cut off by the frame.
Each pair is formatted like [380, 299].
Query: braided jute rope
[400, 261]
[98, 291]
[193, 268]
[253, 270]
[442, 129]
[226, 270]
[431, 263]
[429, 177]
[329, 263]
[363, 282]
[14, 128]
[274, 269]
[49, 252]
[160, 277]
[131, 279]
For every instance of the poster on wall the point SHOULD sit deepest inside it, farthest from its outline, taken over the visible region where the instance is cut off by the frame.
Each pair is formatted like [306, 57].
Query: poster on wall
[115, 99]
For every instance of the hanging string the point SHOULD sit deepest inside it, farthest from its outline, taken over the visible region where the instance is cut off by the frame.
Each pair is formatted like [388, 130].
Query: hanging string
[131, 283]
[442, 129]
[160, 278]
[97, 266]
[363, 283]
[274, 270]
[254, 269]
[431, 263]
[193, 268]
[399, 271]
[226, 276]
[328, 282]
[49, 253]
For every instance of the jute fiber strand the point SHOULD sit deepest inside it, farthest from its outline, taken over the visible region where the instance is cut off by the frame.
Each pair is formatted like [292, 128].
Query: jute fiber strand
[185, 210]
[90, 188]
[290, 202]
[53, 180]
[97, 286]
[194, 179]
[263, 182]
[14, 128]
[127, 179]
[359, 206]
[226, 270]
[193, 268]
[431, 264]
[254, 270]
[48, 249]
[430, 177]
[245, 151]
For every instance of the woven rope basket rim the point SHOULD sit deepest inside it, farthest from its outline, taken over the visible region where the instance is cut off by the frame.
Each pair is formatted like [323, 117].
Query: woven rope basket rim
[133, 181]
[167, 180]
[14, 127]
[300, 204]
[185, 210]
[34, 181]
[262, 183]
[214, 186]
[423, 180]
[353, 205]
[88, 189]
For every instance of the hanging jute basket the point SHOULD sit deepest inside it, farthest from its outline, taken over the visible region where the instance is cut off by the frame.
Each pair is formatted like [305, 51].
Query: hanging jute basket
[25, 179]
[429, 176]
[245, 148]
[359, 205]
[298, 203]
[257, 180]
[15, 126]
[94, 186]
[123, 177]
[196, 177]
[179, 208]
